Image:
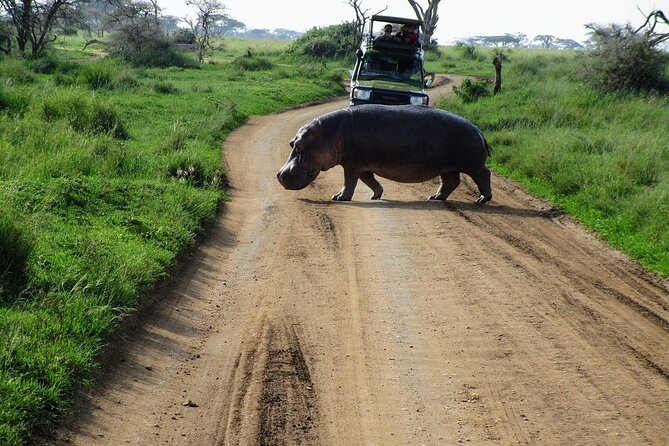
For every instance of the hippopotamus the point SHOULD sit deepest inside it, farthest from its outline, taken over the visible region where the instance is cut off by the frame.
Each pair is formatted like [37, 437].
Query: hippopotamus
[406, 143]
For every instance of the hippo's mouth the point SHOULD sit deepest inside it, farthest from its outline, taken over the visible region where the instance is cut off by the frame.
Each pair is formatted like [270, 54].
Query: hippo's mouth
[293, 176]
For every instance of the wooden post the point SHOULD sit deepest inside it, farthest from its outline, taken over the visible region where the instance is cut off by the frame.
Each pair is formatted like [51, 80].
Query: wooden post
[497, 62]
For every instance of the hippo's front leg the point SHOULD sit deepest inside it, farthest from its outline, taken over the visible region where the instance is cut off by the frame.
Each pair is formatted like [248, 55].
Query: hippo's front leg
[350, 181]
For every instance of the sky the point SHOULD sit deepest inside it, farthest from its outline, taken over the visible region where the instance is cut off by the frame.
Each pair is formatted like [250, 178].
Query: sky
[564, 19]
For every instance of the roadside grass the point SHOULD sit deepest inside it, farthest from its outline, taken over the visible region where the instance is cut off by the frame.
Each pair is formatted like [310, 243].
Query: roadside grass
[107, 175]
[602, 158]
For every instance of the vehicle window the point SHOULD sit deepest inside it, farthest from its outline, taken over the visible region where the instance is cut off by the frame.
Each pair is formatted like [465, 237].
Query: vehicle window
[396, 68]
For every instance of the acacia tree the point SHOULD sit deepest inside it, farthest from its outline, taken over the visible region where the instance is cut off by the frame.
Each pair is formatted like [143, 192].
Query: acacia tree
[209, 18]
[428, 16]
[34, 20]
[625, 58]
[545, 39]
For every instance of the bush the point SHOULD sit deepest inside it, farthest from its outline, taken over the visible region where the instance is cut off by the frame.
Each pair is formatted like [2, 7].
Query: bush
[334, 41]
[183, 36]
[470, 91]
[623, 60]
[466, 51]
[148, 47]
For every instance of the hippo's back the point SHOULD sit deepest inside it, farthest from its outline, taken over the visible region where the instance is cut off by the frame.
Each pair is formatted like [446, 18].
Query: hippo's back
[417, 133]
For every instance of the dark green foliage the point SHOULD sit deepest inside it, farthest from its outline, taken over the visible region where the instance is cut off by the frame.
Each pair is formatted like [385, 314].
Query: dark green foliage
[183, 36]
[15, 248]
[165, 88]
[625, 61]
[470, 91]
[151, 49]
[330, 42]
[12, 101]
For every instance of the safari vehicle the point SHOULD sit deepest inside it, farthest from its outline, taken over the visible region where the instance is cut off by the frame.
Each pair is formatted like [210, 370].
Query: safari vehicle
[389, 70]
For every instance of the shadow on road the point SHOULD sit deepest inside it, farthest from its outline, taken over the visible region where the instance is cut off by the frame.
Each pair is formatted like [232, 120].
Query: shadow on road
[431, 205]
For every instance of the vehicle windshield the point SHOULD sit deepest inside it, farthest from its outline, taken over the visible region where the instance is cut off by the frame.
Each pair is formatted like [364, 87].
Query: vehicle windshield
[406, 69]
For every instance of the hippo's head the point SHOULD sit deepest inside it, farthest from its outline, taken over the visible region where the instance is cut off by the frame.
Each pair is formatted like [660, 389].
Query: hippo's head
[316, 147]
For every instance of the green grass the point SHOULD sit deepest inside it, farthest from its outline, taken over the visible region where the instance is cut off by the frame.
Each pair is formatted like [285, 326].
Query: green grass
[107, 175]
[602, 158]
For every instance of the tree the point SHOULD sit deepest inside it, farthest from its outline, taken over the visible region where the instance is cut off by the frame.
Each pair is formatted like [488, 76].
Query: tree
[625, 58]
[428, 16]
[545, 39]
[6, 37]
[34, 20]
[210, 13]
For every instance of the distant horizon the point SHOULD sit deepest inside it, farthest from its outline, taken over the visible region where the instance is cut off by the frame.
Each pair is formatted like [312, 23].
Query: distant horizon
[459, 19]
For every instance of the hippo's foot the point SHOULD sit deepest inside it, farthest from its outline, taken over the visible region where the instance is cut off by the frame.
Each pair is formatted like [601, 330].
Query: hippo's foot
[376, 195]
[483, 199]
[341, 197]
[439, 197]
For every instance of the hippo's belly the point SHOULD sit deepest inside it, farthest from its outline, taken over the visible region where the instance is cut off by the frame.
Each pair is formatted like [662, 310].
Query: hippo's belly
[407, 173]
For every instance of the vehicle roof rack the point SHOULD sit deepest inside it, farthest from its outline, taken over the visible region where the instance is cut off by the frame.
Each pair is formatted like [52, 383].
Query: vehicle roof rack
[387, 18]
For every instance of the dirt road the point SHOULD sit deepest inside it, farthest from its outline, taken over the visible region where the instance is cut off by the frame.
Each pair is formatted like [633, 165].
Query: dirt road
[391, 322]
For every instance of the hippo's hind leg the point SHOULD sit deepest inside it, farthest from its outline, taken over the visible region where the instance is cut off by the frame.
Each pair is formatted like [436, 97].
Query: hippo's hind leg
[374, 185]
[482, 179]
[449, 181]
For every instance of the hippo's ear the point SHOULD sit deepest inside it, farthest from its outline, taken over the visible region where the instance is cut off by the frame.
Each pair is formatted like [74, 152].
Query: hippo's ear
[292, 142]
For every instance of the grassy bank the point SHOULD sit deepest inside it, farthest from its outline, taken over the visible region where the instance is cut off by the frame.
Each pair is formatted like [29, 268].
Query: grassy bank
[602, 158]
[107, 174]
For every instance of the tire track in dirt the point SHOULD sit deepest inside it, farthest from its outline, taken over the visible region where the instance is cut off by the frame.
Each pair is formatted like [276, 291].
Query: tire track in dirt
[285, 400]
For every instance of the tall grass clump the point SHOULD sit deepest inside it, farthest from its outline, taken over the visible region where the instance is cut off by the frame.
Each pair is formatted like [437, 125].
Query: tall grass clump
[252, 63]
[14, 71]
[83, 114]
[15, 248]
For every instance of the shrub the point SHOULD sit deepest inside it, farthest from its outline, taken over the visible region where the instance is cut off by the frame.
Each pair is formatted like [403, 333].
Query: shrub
[145, 46]
[470, 91]
[623, 60]
[183, 36]
[334, 41]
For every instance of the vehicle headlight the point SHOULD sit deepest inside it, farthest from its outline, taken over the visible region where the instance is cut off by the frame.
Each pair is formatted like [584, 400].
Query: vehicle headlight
[418, 100]
[362, 94]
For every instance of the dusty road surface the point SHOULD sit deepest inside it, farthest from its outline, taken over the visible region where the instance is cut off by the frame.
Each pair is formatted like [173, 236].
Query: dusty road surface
[303, 321]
